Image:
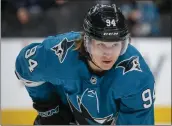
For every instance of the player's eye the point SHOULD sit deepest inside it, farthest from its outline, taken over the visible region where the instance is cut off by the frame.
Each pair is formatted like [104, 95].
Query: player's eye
[115, 44]
[100, 45]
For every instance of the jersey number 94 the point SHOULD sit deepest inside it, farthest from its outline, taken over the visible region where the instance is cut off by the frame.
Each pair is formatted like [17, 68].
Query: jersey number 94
[147, 98]
[32, 63]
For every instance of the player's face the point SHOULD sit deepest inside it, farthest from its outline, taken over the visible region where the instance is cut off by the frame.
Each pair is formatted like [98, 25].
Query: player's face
[105, 54]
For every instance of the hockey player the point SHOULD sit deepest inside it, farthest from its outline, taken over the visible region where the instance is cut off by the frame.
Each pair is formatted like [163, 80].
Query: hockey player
[95, 77]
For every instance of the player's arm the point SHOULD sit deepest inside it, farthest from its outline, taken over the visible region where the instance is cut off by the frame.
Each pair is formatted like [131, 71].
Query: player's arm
[138, 108]
[31, 69]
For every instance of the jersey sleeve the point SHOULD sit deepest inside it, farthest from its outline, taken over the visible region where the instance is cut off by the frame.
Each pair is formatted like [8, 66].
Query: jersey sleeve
[47, 98]
[33, 69]
[138, 108]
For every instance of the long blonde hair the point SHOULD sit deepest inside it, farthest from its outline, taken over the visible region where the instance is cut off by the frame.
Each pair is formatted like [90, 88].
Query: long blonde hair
[79, 43]
[79, 46]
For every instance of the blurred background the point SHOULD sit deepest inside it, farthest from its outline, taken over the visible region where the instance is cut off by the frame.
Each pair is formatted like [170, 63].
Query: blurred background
[26, 21]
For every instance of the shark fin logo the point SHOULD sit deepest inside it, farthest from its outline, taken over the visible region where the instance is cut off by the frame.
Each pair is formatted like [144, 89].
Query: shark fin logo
[83, 117]
[130, 64]
[61, 49]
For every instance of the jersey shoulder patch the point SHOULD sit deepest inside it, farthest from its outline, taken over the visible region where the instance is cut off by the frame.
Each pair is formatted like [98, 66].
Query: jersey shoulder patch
[61, 49]
[130, 64]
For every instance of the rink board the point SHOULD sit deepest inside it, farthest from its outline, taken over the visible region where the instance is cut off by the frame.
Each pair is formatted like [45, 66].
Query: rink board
[26, 117]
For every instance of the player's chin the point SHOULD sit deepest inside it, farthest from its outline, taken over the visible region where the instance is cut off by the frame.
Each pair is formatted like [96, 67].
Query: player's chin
[106, 66]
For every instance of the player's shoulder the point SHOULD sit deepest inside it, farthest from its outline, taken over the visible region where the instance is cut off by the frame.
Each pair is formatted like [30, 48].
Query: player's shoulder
[131, 72]
[60, 48]
[61, 55]
[53, 54]
[64, 39]
[132, 62]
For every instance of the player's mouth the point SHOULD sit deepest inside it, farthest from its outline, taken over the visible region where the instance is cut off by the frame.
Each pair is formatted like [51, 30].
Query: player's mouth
[107, 62]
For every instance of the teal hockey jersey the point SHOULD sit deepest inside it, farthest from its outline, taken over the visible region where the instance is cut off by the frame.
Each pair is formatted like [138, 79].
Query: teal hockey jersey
[123, 95]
